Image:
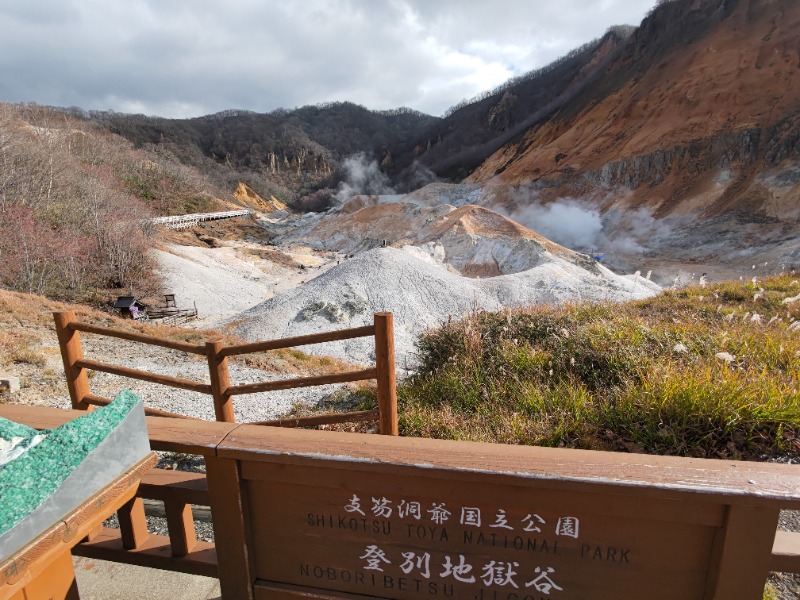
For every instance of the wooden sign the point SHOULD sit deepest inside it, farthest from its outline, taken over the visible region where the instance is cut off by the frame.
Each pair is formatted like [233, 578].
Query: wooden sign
[407, 518]
[402, 537]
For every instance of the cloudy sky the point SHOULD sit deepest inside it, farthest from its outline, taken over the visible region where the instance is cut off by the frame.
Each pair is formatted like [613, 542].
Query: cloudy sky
[184, 58]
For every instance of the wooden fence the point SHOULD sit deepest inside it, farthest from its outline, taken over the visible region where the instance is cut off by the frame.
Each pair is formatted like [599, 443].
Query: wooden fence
[171, 315]
[318, 514]
[68, 329]
[332, 515]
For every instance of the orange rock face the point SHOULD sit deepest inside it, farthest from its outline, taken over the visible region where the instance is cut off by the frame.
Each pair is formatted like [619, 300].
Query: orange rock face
[692, 115]
[245, 194]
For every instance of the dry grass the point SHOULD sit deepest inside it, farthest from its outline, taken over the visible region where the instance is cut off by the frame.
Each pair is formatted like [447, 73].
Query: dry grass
[21, 317]
[690, 373]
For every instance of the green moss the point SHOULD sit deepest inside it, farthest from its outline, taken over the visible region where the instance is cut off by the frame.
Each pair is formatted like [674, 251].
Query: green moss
[10, 430]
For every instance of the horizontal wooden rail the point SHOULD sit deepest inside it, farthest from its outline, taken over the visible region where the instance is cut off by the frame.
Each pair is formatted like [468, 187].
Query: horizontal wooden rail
[786, 552]
[298, 382]
[167, 485]
[175, 382]
[363, 415]
[302, 340]
[157, 508]
[167, 435]
[153, 412]
[219, 387]
[138, 337]
[696, 494]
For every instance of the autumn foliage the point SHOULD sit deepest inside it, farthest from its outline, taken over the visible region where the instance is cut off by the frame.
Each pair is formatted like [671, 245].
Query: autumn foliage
[67, 225]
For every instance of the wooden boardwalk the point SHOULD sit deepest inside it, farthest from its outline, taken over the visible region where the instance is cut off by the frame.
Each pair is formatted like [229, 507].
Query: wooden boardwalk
[186, 221]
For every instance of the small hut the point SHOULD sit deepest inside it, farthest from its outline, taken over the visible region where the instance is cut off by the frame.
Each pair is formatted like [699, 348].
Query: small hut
[129, 307]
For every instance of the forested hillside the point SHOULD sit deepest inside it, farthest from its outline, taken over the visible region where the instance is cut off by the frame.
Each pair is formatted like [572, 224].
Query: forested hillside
[698, 112]
[291, 154]
[472, 130]
[72, 202]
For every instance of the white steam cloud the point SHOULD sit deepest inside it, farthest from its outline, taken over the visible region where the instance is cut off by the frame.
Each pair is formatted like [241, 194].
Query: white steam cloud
[362, 176]
[565, 222]
[580, 226]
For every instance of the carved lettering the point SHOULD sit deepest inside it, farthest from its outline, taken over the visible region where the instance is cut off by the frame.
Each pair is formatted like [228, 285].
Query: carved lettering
[515, 542]
[350, 523]
[427, 532]
[605, 553]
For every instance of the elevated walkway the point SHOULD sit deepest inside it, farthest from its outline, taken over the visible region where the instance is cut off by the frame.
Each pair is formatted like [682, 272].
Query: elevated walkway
[185, 221]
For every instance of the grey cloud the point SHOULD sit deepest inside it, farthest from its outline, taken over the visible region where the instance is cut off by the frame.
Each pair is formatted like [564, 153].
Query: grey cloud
[38, 13]
[194, 57]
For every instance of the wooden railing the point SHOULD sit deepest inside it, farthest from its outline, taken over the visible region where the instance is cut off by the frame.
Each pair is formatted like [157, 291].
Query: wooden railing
[75, 367]
[179, 490]
[184, 221]
[643, 498]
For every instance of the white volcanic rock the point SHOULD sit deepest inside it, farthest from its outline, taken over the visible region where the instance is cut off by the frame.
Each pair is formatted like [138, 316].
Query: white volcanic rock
[422, 293]
[474, 240]
[216, 279]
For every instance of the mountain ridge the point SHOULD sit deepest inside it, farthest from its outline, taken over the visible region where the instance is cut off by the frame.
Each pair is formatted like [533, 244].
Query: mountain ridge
[669, 119]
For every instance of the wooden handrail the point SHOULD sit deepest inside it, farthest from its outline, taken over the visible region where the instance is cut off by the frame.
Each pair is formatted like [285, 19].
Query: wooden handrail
[220, 388]
[152, 412]
[786, 552]
[298, 382]
[329, 419]
[137, 337]
[302, 340]
[708, 484]
[175, 382]
[166, 484]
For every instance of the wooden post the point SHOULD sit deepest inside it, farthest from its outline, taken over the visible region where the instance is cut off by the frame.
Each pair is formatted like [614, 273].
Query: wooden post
[744, 550]
[132, 524]
[384, 364]
[231, 530]
[180, 523]
[220, 382]
[71, 352]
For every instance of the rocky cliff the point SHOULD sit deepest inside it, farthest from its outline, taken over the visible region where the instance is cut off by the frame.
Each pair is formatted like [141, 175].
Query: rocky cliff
[697, 113]
[472, 131]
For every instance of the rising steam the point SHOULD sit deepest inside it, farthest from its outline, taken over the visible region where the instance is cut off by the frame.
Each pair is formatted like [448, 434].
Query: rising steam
[579, 225]
[362, 176]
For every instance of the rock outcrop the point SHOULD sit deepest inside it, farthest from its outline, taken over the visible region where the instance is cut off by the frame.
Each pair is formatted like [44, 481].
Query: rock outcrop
[250, 198]
[699, 112]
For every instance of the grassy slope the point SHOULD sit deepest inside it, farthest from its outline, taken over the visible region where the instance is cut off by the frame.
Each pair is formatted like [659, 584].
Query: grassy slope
[647, 376]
